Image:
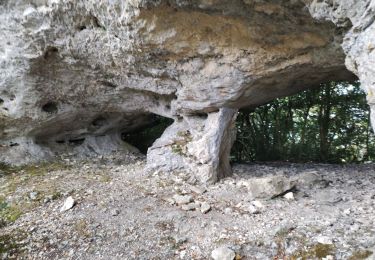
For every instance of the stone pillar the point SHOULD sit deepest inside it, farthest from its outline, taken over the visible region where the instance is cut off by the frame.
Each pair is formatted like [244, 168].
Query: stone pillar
[359, 45]
[198, 144]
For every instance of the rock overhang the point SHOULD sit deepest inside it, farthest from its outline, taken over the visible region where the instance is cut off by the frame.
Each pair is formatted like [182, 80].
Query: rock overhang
[66, 64]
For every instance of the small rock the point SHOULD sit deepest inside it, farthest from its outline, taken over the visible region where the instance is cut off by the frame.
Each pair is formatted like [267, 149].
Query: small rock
[205, 207]
[182, 254]
[190, 206]
[170, 201]
[257, 204]
[181, 240]
[289, 196]
[324, 240]
[252, 209]
[33, 195]
[115, 212]
[182, 199]
[223, 253]
[198, 190]
[268, 186]
[68, 204]
[228, 210]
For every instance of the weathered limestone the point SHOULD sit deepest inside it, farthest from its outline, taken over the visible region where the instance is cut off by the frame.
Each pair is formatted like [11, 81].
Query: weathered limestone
[359, 41]
[199, 144]
[75, 74]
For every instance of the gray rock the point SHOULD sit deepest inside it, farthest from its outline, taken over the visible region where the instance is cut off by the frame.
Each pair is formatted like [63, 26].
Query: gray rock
[182, 199]
[223, 253]
[268, 186]
[115, 212]
[197, 190]
[190, 206]
[205, 207]
[33, 195]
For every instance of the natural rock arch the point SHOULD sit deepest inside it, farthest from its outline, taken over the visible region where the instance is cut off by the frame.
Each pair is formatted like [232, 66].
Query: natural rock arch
[64, 64]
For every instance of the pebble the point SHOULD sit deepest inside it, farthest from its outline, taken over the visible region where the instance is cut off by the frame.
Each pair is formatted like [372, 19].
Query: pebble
[228, 210]
[115, 212]
[252, 209]
[190, 206]
[324, 240]
[223, 253]
[257, 204]
[33, 195]
[68, 204]
[198, 190]
[205, 207]
[289, 196]
[182, 199]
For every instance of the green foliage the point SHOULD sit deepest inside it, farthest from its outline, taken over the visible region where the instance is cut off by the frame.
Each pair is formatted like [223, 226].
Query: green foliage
[8, 213]
[329, 124]
[33, 169]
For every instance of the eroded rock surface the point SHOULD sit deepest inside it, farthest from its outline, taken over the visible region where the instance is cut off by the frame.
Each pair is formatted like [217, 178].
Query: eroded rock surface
[75, 75]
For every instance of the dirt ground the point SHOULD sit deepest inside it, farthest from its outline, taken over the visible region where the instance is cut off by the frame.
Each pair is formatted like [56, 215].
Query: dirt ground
[121, 211]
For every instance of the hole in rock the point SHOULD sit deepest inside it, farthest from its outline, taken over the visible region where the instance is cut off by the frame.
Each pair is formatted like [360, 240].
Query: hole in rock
[60, 141]
[330, 124]
[50, 107]
[201, 115]
[81, 28]
[77, 141]
[144, 137]
[107, 84]
[1, 101]
[99, 122]
[50, 52]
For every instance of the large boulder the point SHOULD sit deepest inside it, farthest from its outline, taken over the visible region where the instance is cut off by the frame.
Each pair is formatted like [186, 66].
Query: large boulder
[76, 74]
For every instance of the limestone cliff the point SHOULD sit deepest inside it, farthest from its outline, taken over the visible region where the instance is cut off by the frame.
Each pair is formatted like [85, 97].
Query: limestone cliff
[75, 74]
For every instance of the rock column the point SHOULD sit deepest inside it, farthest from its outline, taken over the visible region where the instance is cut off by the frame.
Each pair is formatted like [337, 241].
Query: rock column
[198, 144]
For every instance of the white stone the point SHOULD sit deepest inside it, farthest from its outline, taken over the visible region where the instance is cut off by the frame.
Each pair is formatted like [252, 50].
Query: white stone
[223, 253]
[258, 204]
[197, 190]
[205, 207]
[228, 211]
[252, 209]
[289, 196]
[182, 199]
[324, 240]
[190, 206]
[68, 204]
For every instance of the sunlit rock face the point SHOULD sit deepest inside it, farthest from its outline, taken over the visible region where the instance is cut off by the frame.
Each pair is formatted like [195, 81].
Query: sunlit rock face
[359, 40]
[75, 74]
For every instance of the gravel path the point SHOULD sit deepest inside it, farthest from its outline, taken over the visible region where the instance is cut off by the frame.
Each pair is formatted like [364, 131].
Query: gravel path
[265, 211]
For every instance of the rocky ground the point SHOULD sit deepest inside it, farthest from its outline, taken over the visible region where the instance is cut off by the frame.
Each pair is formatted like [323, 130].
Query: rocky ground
[265, 211]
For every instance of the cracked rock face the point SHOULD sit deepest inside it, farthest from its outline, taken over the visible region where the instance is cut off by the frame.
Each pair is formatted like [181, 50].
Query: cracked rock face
[75, 75]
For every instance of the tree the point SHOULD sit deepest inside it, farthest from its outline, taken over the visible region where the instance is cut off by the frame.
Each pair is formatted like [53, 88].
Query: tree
[329, 124]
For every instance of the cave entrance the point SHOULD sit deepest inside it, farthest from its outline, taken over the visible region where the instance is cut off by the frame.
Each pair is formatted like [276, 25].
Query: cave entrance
[143, 138]
[329, 124]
